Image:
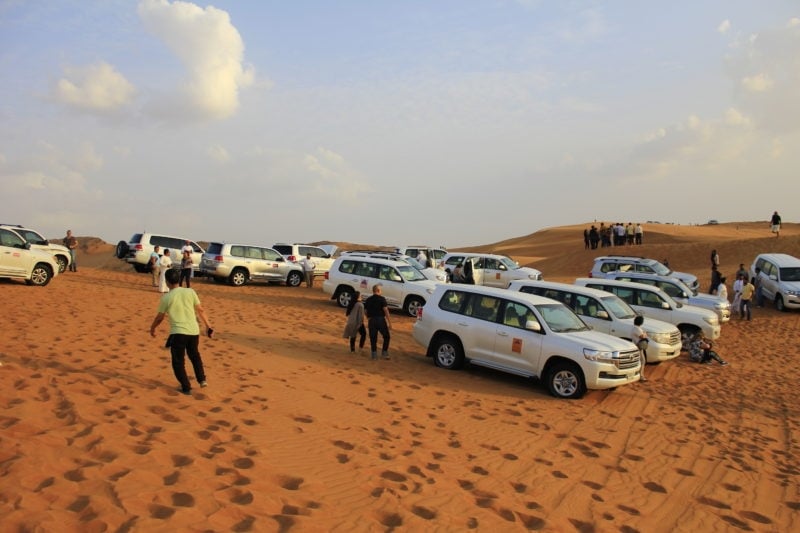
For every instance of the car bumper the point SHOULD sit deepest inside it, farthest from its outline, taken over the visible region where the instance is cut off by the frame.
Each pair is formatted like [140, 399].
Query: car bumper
[657, 352]
[607, 376]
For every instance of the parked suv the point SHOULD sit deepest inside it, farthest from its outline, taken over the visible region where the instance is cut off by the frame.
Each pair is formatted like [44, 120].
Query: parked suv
[242, 263]
[609, 263]
[607, 313]
[434, 274]
[525, 335]
[138, 249]
[35, 239]
[491, 270]
[780, 279]
[679, 291]
[652, 302]
[403, 286]
[19, 261]
[323, 258]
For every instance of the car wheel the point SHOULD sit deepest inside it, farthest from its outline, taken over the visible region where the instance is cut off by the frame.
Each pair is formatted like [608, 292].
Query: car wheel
[413, 305]
[779, 303]
[122, 250]
[238, 277]
[687, 334]
[40, 276]
[565, 380]
[448, 353]
[62, 263]
[344, 297]
[294, 279]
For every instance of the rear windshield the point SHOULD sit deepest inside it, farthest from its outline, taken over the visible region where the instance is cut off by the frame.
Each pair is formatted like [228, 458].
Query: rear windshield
[137, 238]
[215, 248]
[283, 249]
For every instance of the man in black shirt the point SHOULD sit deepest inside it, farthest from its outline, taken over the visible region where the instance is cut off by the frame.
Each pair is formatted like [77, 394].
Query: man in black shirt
[377, 311]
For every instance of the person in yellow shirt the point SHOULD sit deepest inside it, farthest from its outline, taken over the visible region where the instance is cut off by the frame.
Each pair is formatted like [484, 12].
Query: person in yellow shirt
[748, 289]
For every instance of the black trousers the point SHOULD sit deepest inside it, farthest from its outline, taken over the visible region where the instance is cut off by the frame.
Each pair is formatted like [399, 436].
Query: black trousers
[362, 332]
[378, 325]
[181, 345]
[186, 274]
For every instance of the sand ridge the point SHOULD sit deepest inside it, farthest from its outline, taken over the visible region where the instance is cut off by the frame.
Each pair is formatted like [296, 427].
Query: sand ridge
[296, 434]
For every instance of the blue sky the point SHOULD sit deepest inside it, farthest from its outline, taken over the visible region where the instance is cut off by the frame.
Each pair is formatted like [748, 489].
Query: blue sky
[386, 122]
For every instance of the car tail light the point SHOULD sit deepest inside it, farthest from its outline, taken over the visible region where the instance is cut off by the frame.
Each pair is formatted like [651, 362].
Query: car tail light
[138, 247]
[590, 274]
[419, 312]
[292, 258]
[326, 276]
[218, 258]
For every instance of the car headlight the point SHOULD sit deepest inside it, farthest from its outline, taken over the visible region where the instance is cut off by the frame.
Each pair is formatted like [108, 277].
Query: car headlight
[711, 320]
[793, 293]
[722, 305]
[599, 355]
[660, 338]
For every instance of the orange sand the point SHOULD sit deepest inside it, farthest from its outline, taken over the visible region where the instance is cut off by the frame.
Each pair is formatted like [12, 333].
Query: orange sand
[296, 434]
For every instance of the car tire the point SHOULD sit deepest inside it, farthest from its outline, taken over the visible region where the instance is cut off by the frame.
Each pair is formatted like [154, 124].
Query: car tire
[565, 380]
[413, 305]
[40, 275]
[62, 263]
[294, 279]
[779, 305]
[122, 250]
[447, 352]
[344, 297]
[238, 277]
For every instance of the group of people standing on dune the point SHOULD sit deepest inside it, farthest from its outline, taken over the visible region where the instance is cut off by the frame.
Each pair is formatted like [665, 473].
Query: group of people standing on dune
[613, 235]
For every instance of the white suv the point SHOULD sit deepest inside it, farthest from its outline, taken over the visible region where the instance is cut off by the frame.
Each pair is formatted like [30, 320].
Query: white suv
[525, 335]
[322, 257]
[679, 291]
[607, 313]
[434, 274]
[403, 286]
[653, 302]
[779, 275]
[491, 270]
[35, 239]
[434, 255]
[609, 263]
[19, 261]
[242, 263]
[138, 249]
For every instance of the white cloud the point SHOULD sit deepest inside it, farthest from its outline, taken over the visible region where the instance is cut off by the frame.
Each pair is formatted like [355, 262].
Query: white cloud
[793, 22]
[724, 26]
[734, 117]
[218, 153]
[758, 83]
[210, 48]
[331, 176]
[97, 87]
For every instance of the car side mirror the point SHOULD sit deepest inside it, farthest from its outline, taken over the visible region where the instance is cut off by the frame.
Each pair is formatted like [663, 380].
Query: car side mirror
[533, 325]
[664, 305]
[602, 314]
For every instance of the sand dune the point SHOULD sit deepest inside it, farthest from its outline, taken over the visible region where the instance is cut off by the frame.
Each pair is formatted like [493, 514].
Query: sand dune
[296, 434]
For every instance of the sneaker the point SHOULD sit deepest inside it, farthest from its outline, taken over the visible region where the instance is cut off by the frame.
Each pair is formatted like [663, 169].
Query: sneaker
[724, 363]
[385, 355]
[203, 384]
[643, 379]
[187, 392]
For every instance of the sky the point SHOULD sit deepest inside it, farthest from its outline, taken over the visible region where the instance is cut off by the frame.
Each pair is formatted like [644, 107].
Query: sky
[439, 122]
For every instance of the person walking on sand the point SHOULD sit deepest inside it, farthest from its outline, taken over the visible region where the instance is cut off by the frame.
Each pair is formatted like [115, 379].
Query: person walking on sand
[182, 306]
[72, 244]
[748, 289]
[164, 264]
[737, 295]
[355, 323]
[714, 259]
[775, 224]
[155, 269]
[639, 337]
[715, 277]
[377, 310]
[308, 265]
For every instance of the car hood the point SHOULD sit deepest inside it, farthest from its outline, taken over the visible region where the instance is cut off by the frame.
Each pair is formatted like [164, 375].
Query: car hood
[689, 279]
[707, 299]
[601, 341]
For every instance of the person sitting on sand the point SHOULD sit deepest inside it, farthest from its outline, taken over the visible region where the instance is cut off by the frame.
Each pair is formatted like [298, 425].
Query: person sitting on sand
[700, 351]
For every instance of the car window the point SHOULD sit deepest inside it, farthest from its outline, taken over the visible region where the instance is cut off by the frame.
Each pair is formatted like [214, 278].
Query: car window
[644, 268]
[608, 267]
[671, 289]
[271, 255]
[650, 299]
[478, 262]
[388, 273]
[790, 274]
[215, 248]
[238, 251]
[618, 307]
[9, 238]
[483, 307]
[453, 301]
[366, 269]
[283, 249]
[137, 238]
[517, 315]
[492, 264]
[453, 260]
[438, 254]
[348, 267]
[560, 318]
[253, 252]
[313, 250]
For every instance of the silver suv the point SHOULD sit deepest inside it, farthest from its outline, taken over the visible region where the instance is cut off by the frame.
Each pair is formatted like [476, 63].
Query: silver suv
[679, 291]
[322, 257]
[779, 275]
[238, 264]
[138, 249]
[525, 335]
[19, 261]
[35, 239]
[403, 286]
[610, 263]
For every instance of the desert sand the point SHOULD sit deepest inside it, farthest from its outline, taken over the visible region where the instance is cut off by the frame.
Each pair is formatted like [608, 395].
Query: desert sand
[296, 434]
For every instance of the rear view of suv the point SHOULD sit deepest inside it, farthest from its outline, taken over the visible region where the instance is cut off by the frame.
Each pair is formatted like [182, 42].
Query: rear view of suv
[138, 249]
[609, 263]
[19, 261]
[238, 264]
[779, 275]
[35, 239]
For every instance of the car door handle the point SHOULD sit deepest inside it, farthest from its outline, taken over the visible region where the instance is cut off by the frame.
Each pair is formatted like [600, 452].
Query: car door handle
[503, 333]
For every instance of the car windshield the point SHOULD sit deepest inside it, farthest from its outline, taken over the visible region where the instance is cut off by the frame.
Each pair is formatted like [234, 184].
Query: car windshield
[32, 237]
[413, 262]
[560, 318]
[684, 287]
[660, 269]
[790, 274]
[410, 273]
[509, 263]
[618, 307]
